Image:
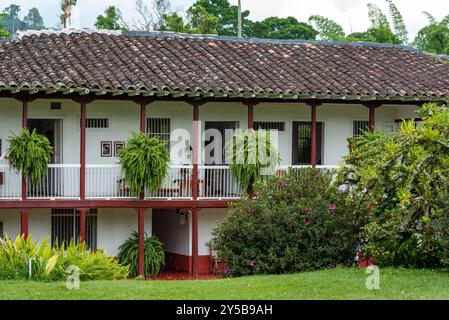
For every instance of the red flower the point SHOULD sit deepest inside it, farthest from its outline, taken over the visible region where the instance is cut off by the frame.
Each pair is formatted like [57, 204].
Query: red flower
[308, 211]
[282, 184]
[251, 264]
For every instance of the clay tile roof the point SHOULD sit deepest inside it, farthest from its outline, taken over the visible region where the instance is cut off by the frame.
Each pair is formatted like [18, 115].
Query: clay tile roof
[155, 63]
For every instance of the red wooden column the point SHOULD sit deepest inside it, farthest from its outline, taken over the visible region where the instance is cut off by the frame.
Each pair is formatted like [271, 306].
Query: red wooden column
[195, 212]
[141, 242]
[196, 139]
[24, 214]
[83, 151]
[250, 106]
[83, 101]
[313, 150]
[83, 213]
[372, 106]
[24, 223]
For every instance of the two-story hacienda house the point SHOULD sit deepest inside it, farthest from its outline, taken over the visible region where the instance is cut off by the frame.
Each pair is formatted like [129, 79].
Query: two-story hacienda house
[87, 90]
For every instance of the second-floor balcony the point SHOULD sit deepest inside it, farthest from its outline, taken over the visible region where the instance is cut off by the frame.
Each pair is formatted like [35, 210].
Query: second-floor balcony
[106, 182]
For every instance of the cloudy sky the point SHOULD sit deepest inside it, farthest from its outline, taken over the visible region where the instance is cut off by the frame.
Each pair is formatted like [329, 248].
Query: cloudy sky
[351, 14]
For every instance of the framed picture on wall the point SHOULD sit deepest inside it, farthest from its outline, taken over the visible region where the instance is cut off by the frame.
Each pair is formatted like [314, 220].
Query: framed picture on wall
[106, 148]
[118, 146]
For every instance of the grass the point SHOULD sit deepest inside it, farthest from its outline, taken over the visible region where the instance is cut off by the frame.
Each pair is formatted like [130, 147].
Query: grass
[325, 284]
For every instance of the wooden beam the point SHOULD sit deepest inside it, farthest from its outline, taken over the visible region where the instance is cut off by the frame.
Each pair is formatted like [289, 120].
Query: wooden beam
[83, 213]
[24, 223]
[141, 242]
[131, 204]
[313, 105]
[83, 151]
[196, 140]
[195, 212]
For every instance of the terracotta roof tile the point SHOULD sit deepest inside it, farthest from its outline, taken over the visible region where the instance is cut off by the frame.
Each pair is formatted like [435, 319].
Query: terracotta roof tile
[154, 62]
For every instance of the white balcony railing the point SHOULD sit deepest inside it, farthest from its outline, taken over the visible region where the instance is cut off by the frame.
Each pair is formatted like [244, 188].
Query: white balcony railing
[61, 182]
[217, 182]
[10, 183]
[106, 182]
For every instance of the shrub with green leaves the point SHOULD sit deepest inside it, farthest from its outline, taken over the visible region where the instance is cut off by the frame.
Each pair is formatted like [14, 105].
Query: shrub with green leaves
[30, 153]
[253, 156]
[296, 223]
[144, 161]
[154, 258]
[50, 263]
[403, 180]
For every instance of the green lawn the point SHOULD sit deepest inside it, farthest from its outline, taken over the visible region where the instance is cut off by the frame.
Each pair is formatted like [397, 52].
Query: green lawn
[326, 284]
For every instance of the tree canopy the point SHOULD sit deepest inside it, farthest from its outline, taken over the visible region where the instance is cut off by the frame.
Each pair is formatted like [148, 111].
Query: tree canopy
[111, 19]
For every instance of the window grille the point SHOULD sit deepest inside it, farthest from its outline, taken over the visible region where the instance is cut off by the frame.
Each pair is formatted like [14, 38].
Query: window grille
[65, 227]
[359, 126]
[97, 123]
[279, 126]
[159, 127]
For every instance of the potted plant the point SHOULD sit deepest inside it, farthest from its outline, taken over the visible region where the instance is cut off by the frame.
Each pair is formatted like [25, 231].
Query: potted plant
[30, 153]
[253, 156]
[144, 161]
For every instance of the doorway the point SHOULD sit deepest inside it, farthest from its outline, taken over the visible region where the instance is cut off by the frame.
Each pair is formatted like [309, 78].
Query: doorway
[302, 143]
[52, 129]
[52, 185]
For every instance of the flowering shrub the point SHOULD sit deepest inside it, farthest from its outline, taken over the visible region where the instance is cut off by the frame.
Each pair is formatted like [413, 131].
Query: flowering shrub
[403, 180]
[296, 223]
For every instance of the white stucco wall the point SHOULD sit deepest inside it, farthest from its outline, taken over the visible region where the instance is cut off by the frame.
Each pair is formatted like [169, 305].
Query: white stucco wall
[124, 117]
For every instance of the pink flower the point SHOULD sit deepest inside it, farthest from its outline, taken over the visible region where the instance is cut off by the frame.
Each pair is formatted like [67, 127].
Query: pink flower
[332, 207]
[282, 184]
[251, 264]
[307, 222]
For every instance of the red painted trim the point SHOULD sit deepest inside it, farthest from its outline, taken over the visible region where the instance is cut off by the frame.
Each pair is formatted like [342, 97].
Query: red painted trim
[24, 126]
[83, 151]
[24, 223]
[143, 117]
[313, 147]
[70, 204]
[183, 263]
[143, 125]
[196, 139]
[83, 213]
[141, 242]
[195, 270]
[372, 117]
[250, 116]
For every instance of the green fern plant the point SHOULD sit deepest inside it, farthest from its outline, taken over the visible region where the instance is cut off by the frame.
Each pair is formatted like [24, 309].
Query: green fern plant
[253, 156]
[30, 153]
[144, 162]
[154, 258]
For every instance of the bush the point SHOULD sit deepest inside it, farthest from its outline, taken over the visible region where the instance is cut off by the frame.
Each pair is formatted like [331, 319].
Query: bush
[403, 178]
[154, 255]
[50, 264]
[296, 223]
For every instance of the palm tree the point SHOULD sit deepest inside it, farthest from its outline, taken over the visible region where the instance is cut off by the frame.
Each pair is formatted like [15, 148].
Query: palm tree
[66, 8]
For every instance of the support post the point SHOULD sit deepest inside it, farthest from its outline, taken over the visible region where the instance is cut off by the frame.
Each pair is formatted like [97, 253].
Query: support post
[83, 213]
[24, 223]
[313, 136]
[141, 242]
[372, 106]
[83, 101]
[24, 126]
[250, 116]
[196, 138]
[83, 151]
[195, 212]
